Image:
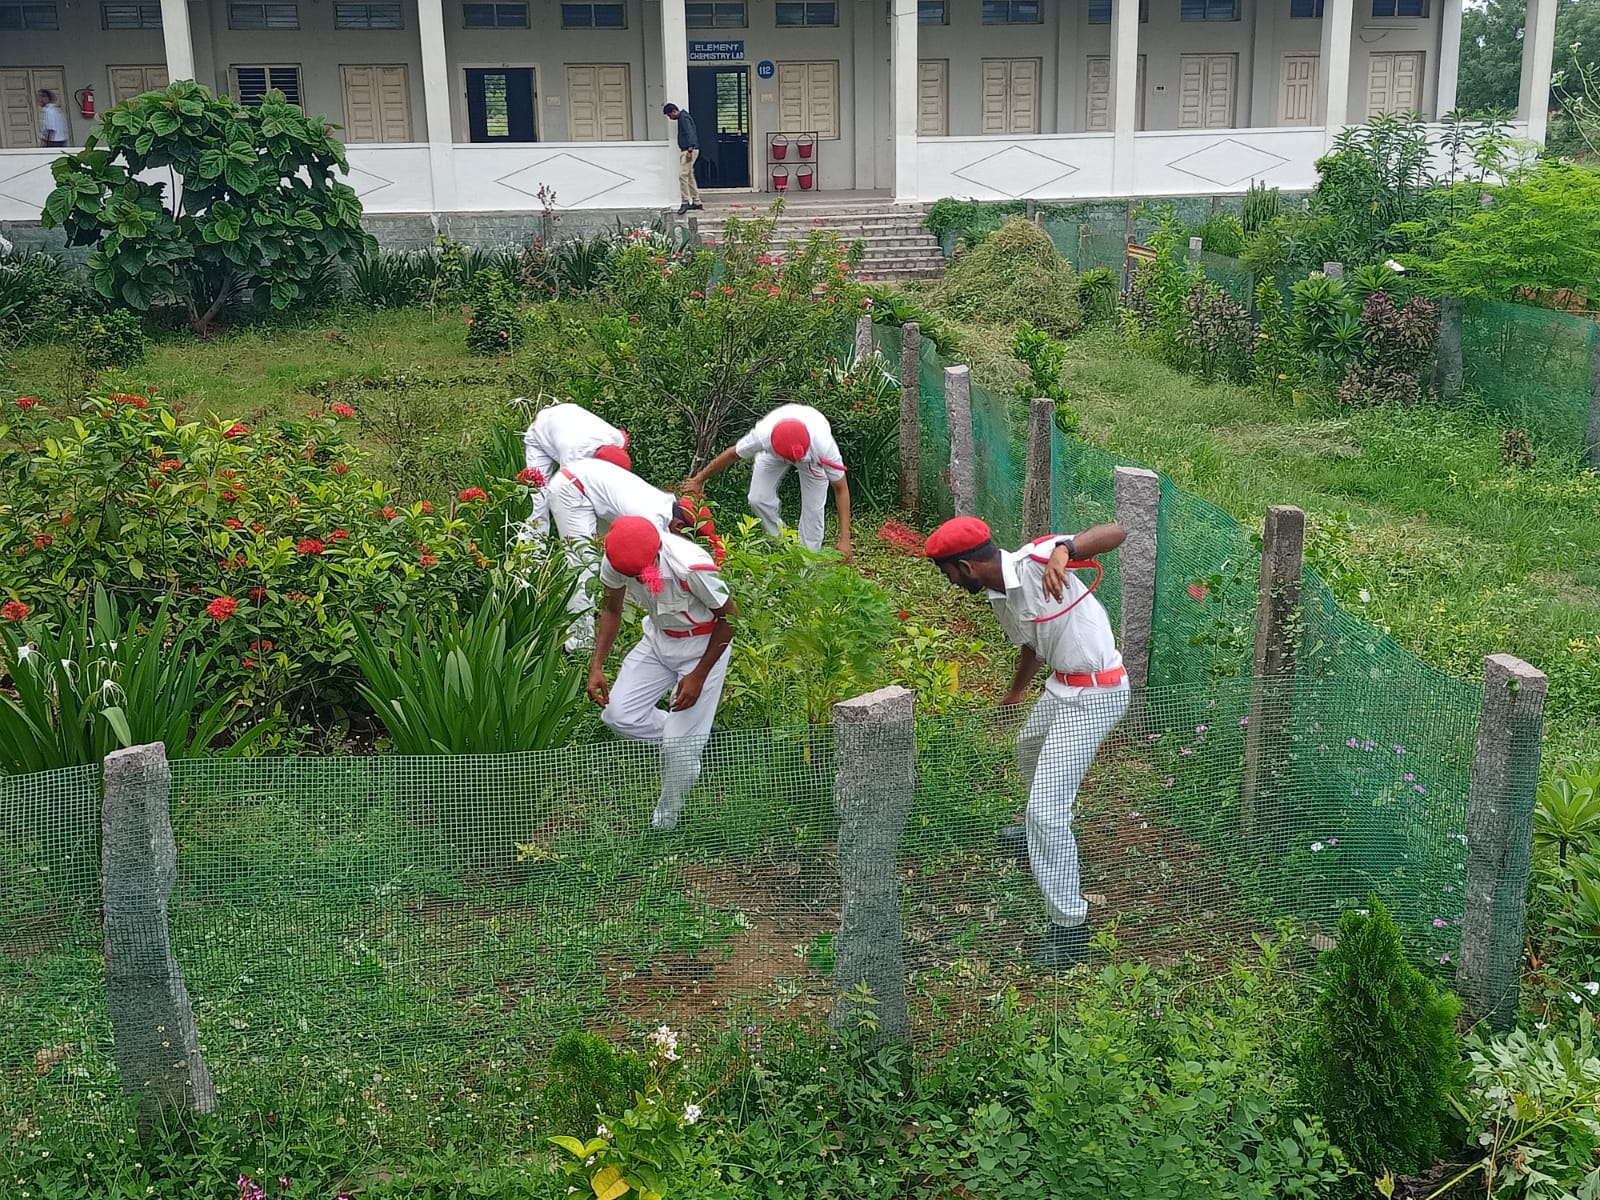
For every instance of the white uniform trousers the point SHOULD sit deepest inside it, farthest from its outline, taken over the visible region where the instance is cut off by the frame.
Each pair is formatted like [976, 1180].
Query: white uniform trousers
[766, 473]
[651, 671]
[575, 525]
[1057, 743]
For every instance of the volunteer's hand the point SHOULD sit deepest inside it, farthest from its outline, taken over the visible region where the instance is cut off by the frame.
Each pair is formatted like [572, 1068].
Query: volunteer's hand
[691, 486]
[688, 691]
[599, 692]
[1015, 697]
[845, 549]
[1055, 573]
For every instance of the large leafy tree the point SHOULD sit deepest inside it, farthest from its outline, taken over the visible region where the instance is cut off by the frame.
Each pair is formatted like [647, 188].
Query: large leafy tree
[1491, 51]
[253, 201]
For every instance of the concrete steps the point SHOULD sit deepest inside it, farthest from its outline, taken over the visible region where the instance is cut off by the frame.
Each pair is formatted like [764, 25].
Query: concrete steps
[897, 244]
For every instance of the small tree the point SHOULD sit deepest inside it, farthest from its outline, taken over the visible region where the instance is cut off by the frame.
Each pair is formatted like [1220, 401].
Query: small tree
[1381, 1057]
[253, 201]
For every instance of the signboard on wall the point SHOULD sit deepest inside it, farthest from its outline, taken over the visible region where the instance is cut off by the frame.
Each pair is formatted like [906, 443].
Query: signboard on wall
[715, 51]
[766, 69]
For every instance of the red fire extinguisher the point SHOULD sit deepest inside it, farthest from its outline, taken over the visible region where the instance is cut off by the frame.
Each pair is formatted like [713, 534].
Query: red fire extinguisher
[85, 99]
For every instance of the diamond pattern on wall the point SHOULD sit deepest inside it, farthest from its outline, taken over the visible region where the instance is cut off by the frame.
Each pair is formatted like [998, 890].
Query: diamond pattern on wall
[1016, 171]
[1227, 162]
[580, 180]
[29, 187]
[366, 183]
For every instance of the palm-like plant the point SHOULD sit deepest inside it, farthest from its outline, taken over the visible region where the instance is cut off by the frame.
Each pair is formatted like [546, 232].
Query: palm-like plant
[1566, 813]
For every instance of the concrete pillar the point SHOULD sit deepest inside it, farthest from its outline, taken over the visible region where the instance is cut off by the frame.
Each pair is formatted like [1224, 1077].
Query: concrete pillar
[903, 99]
[1139, 513]
[153, 1030]
[1037, 470]
[1124, 93]
[963, 465]
[1450, 369]
[875, 749]
[863, 343]
[864, 14]
[178, 40]
[675, 69]
[1538, 54]
[1499, 833]
[910, 415]
[1334, 66]
[1449, 57]
[436, 104]
[1272, 672]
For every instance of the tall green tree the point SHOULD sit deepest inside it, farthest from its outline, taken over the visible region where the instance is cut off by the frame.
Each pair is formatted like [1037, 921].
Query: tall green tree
[1491, 51]
[253, 201]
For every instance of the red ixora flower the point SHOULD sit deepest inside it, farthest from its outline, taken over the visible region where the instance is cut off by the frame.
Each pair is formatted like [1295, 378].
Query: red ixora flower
[229, 494]
[41, 540]
[310, 546]
[258, 527]
[233, 523]
[428, 558]
[389, 513]
[222, 608]
[339, 468]
[261, 645]
[237, 429]
[26, 402]
[338, 535]
[131, 399]
[168, 464]
[467, 495]
[427, 506]
[531, 476]
[258, 595]
[14, 610]
[341, 409]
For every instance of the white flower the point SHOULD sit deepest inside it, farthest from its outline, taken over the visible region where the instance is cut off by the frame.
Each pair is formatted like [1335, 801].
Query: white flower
[1592, 987]
[691, 1114]
[1365, 595]
[24, 653]
[1394, 266]
[1317, 847]
[1574, 997]
[602, 1131]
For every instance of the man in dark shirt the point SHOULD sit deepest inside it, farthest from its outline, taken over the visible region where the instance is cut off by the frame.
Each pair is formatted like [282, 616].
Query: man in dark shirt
[689, 151]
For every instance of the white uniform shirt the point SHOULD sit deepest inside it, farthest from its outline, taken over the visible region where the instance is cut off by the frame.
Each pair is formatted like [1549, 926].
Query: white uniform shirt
[1076, 642]
[691, 590]
[610, 490]
[566, 433]
[52, 123]
[823, 453]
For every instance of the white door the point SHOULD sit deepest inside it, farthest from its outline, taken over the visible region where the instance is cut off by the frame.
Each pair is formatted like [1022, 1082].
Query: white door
[128, 82]
[599, 103]
[1011, 95]
[19, 104]
[1097, 113]
[933, 97]
[377, 103]
[1297, 97]
[1394, 83]
[1205, 90]
[808, 98]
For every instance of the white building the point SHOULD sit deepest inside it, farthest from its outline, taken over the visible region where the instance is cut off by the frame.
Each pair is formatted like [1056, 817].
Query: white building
[474, 105]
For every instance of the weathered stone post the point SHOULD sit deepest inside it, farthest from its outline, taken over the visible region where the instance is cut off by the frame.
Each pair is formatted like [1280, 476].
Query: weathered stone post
[694, 233]
[1333, 270]
[1451, 369]
[863, 338]
[910, 415]
[1036, 481]
[152, 1023]
[1195, 246]
[1272, 671]
[1505, 775]
[875, 745]
[963, 465]
[1139, 513]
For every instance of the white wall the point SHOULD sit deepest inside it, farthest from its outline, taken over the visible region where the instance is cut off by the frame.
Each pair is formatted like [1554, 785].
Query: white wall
[84, 51]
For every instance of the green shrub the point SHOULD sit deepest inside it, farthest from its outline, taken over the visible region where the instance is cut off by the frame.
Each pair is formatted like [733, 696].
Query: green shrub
[391, 278]
[1261, 205]
[588, 1076]
[1098, 293]
[1381, 1059]
[970, 220]
[1015, 274]
[492, 307]
[1220, 233]
[893, 308]
[1045, 359]
[111, 339]
[38, 294]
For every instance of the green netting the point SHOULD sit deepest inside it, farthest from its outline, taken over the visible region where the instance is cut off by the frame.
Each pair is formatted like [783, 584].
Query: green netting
[1208, 569]
[1532, 365]
[1000, 439]
[933, 466]
[1228, 274]
[1085, 246]
[1083, 493]
[49, 860]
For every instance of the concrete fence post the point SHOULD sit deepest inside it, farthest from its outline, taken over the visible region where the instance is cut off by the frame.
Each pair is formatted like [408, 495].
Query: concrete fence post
[1030, 210]
[1594, 401]
[1195, 246]
[875, 753]
[153, 1031]
[1129, 223]
[1036, 497]
[1333, 270]
[1139, 514]
[694, 233]
[1451, 370]
[1499, 833]
[1272, 671]
[910, 415]
[863, 343]
[547, 225]
[1083, 245]
[958, 406]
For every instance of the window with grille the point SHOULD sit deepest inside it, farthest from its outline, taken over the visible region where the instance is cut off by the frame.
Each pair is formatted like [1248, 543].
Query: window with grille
[29, 16]
[1305, 8]
[1210, 10]
[1012, 12]
[263, 16]
[251, 84]
[367, 16]
[1399, 8]
[594, 16]
[933, 12]
[720, 14]
[794, 14]
[130, 16]
[1100, 12]
[494, 16]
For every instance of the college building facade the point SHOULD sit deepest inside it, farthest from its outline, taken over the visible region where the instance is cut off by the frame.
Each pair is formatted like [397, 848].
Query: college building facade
[485, 105]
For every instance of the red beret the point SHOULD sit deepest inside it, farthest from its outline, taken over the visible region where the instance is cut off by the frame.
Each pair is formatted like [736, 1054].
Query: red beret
[791, 439]
[616, 456]
[955, 537]
[632, 544]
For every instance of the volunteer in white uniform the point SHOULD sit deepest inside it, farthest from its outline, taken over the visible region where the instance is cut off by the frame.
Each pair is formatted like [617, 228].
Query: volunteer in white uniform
[562, 434]
[1051, 615]
[791, 435]
[683, 650]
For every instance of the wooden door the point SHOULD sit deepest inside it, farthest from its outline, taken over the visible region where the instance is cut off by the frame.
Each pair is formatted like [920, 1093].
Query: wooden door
[1394, 83]
[1206, 90]
[933, 97]
[599, 103]
[1297, 95]
[1097, 110]
[128, 82]
[808, 98]
[377, 103]
[19, 104]
[1011, 95]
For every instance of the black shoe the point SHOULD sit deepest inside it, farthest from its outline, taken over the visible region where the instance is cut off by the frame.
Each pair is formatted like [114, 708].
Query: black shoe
[697, 206]
[683, 208]
[1013, 842]
[1065, 946]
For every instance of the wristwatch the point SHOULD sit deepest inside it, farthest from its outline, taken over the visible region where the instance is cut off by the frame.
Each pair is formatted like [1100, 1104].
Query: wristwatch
[1072, 550]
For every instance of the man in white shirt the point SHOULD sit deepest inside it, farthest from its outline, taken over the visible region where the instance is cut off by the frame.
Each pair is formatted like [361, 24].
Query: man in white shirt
[683, 650]
[562, 434]
[1052, 616]
[791, 435]
[52, 121]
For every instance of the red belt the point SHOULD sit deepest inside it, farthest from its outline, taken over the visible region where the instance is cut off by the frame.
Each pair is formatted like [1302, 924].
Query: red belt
[699, 630]
[576, 482]
[1107, 678]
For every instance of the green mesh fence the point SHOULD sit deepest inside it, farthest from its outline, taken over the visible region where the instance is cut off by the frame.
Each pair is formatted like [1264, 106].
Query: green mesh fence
[1000, 434]
[1532, 365]
[1085, 246]
[1228, 274]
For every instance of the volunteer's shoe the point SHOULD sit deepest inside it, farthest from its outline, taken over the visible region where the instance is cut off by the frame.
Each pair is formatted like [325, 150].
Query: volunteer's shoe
[1013, 842]
[697, 207]
[1065, 946]
[683, 208]
[663, 822]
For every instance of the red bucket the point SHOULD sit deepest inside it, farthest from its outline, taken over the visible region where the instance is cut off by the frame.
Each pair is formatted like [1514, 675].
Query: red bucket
[780, 148]
[806, 177]
[805, 146]
[780, 179]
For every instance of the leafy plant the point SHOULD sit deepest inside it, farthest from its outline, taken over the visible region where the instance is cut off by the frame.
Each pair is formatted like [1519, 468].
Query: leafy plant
[587, 1076]
[258, 208]
[110, 339]
[1396, 351]
[1380, 1059]
[1566, 814]
[584, 264]
[892, 307]
[491, 307]
[391, 278]
[38, 294]
[1261, 206]
[1015, 274]
[1098, 290]
[1222, 232]
[1045, 358]
[1216, 336]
